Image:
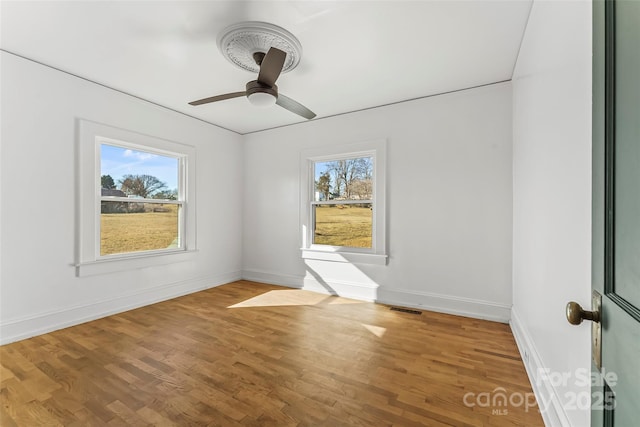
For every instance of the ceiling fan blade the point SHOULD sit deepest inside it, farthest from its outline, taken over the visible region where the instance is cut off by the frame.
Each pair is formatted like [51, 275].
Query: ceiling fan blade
[218, 98]
[271, 66]
[295, 107]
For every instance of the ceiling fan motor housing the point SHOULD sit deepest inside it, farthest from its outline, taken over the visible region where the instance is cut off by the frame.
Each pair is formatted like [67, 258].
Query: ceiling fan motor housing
[260, 94]
[255, 86]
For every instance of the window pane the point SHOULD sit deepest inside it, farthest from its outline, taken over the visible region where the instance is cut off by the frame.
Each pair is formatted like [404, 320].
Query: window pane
[347, 179]
[134, 227]
[343, 225]
[138, 173]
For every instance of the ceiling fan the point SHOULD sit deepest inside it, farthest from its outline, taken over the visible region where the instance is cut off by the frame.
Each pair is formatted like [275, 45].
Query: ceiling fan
[263, 91]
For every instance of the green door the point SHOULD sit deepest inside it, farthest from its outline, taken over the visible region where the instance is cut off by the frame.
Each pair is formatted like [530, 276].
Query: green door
[616, 210]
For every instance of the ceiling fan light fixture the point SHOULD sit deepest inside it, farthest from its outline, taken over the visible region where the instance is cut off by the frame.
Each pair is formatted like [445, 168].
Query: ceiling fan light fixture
[261, 95]
[261, 99]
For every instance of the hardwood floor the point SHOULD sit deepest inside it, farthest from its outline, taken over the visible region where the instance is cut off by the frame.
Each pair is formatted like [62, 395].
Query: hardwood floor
[248, 354]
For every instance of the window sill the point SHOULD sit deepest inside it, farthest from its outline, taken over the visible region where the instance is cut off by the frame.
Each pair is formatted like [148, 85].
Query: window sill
[113, 265]
[348, 257]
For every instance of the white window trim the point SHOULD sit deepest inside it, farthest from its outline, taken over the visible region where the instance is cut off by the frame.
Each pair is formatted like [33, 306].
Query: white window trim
[91, 136]
[377, 254]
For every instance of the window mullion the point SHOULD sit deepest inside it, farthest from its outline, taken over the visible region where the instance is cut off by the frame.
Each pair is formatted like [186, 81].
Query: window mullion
[342, 202]
[136, 200]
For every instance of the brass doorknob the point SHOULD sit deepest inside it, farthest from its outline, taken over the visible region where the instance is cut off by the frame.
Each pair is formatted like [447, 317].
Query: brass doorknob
[575, 314]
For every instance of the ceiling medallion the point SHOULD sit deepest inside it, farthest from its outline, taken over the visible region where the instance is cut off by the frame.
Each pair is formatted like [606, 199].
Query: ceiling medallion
[239, 42]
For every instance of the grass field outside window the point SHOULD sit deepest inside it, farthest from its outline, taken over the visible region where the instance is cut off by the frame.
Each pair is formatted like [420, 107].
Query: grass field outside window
[146, 227]
[343, 225]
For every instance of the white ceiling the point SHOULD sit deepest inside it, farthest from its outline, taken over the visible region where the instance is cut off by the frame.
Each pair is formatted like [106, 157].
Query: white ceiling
[356, 54]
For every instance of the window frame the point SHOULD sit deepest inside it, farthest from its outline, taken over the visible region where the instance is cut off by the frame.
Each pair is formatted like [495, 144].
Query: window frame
[377, 254]
[89, 260]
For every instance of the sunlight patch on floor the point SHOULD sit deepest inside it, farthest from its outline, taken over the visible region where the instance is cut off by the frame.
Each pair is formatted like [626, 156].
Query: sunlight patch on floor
[375, 330]
[282, 298]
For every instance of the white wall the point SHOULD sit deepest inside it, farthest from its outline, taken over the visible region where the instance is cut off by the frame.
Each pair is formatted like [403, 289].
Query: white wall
[552, 200]
[39, 289]
[449, 204]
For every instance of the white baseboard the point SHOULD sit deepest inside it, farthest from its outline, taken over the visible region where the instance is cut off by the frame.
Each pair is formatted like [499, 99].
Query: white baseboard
[360, 291]
[401, 297]
[30, 326]
[449, 304]
[273, 278]
[553, 414]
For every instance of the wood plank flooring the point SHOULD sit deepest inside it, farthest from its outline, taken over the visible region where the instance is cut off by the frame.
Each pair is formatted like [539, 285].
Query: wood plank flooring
[249, 354]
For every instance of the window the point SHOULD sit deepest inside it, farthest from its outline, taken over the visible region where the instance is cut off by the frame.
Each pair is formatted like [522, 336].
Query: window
[343, 211]
[342, 207]
[135, 198]
[140, 199]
